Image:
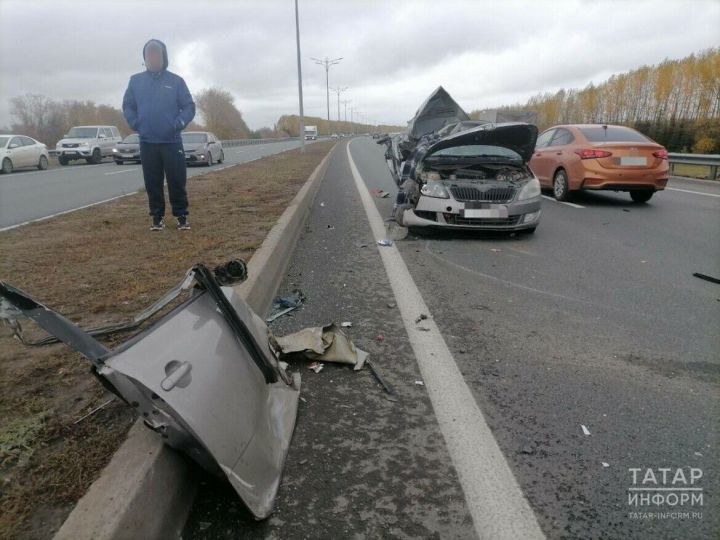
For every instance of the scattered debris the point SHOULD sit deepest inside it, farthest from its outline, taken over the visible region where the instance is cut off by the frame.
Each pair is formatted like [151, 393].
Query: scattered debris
[362, 245]
[326, 343]
[389, 390]
[316, 367]
[423, 329]
[330, 226]
[528, 449]
[420, 383]
[379, 337]
[391, 305]
[379, 193]
[495, 250]
[286, 304]
[706, 277]
[202, 525]
[385, 242]
[605, 464]
[322, 204]
[96, 409]
[422, 317]
[625, 210]
[585, 430]
[346, 324]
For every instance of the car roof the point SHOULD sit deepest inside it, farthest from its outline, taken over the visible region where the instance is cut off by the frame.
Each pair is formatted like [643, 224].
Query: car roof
[94, 127]
[16, 135]
[189, 132]
[587, 125]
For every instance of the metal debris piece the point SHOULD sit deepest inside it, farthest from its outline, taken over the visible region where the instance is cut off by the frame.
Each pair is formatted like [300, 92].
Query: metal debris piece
[389, 390]
[96, 409]
[210, 346]
[385, 242]
[286, 304]
[706, 277]
[324, 343]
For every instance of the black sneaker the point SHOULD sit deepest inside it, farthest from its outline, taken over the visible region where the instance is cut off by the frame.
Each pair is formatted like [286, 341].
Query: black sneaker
[158, 224]
[182, 223]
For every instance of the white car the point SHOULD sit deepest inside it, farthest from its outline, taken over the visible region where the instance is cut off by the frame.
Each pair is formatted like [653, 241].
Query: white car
[91, 143]
[18, 151]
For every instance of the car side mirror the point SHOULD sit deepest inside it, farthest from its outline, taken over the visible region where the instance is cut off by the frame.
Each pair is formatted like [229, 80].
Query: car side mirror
[13, 145]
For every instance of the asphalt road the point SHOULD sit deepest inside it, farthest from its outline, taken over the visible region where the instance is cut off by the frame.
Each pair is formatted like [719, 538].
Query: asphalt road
[589, 347]
[28, 194]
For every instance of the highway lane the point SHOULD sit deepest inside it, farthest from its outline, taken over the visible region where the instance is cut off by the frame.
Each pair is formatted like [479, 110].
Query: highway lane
[27, 195]
[595, 321]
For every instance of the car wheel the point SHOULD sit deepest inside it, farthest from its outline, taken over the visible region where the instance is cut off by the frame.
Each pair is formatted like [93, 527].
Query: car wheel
[641, 196]
[119, 162]
[62, 160]
[561, 186]
[43, 163]
[96, 156]
[7, 166]
[210, 160]
[222, 156]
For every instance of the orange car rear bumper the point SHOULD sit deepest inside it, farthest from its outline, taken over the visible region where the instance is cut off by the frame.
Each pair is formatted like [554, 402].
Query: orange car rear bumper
[596, 177]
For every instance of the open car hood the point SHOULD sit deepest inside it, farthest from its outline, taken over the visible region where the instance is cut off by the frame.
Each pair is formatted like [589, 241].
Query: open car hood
[515, 136]
[438, 110]
[203, 377]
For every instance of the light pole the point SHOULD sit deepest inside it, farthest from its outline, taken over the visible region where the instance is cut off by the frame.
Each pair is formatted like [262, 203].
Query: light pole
[301, 132]
[326, 63]
[345, 102]
[338, 91]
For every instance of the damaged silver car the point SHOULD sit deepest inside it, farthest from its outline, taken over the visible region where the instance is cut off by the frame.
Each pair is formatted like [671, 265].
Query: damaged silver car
[457, 173]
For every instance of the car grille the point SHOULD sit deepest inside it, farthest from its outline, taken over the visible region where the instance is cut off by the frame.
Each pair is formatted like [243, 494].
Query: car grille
[494, 194]
[487, 222]
[70, 145]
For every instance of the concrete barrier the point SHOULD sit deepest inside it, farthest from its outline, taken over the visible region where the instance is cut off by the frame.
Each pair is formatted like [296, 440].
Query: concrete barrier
[146, 490]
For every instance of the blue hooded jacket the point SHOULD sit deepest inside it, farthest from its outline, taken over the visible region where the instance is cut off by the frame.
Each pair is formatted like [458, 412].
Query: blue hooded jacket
[157, 104]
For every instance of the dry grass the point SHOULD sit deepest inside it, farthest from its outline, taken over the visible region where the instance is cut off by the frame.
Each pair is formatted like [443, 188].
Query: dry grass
[692, 171]
[98, 265]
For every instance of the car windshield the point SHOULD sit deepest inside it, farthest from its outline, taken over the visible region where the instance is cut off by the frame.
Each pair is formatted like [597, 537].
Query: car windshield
[131, 139]
[82, 133]
[478, 150]
[194, 138]
[612, 134]
[4, 141]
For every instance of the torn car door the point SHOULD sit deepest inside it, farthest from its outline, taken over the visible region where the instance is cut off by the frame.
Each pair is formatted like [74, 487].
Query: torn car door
[203, 377]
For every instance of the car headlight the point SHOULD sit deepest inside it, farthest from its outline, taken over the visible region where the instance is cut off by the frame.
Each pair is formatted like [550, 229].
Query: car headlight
[435, 189]
[114, 149]
[529, 190]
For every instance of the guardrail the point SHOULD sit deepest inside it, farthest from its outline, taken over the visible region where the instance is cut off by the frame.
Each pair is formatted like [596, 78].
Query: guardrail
[244, 142]
[712, 161]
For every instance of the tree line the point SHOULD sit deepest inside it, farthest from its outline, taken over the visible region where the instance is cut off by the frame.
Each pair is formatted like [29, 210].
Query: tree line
[675, 102]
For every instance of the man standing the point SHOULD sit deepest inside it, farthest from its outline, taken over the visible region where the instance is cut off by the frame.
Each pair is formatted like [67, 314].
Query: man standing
[158, 105]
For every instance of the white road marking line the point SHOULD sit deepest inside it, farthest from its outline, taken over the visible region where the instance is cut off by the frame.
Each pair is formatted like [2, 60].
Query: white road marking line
[563, 202]
[694, 192]
[123, 171]
[494, 498]
[65, 212]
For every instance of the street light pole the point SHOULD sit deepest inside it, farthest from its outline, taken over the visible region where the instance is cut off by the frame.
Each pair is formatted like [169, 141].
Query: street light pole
[301, 127]
[338, 91]
[326, 63]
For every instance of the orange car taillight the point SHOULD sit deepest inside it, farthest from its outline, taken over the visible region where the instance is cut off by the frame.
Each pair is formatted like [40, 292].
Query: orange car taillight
[662, 154]
[591, 154]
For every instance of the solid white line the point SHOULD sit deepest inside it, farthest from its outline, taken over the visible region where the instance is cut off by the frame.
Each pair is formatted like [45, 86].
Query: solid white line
[494, 498]
[65, 212]
[123, 171]
[694, 192]
[563, 202]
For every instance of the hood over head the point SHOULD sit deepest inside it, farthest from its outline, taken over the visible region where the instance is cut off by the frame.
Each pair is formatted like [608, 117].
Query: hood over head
[438, 110]
[161, 45]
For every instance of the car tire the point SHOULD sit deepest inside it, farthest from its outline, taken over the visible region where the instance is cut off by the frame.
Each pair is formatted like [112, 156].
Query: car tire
[641, 196]
[96, 157]
[62, 160]
[7, 166]
[561, 186]
[42, 163]
[119, 162]
[222, 156]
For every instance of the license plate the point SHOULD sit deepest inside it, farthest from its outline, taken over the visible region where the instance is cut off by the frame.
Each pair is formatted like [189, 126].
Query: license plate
[633, 161]
[493, 212]
[127, 155]
[71, 153]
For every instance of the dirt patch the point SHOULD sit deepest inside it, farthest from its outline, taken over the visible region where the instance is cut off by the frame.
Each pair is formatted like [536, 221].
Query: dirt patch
[99, 265]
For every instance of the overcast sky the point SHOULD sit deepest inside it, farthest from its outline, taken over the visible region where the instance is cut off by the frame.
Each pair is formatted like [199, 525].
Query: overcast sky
[395, 52]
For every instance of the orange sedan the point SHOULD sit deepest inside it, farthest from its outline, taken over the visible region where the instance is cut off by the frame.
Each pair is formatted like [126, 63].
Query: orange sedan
[572, 157]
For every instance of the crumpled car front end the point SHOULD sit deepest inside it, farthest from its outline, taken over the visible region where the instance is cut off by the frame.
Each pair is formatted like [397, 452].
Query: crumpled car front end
[473, 179]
